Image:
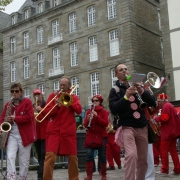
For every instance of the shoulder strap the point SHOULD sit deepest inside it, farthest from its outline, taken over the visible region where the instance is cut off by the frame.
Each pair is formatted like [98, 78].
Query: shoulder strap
[117, 89]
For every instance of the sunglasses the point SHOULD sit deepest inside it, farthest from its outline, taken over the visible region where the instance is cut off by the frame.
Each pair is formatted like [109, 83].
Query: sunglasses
[14, 91]
[123, 69]
[95, 100]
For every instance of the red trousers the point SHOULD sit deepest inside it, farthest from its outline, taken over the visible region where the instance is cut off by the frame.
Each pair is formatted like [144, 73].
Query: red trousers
[169, 146]
[112, 151]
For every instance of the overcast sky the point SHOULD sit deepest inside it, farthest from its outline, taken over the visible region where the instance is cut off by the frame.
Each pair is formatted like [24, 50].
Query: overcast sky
[14, 6]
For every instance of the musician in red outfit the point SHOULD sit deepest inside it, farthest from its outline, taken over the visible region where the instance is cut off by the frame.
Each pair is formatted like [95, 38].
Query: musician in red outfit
[112, 149]
[170, 124]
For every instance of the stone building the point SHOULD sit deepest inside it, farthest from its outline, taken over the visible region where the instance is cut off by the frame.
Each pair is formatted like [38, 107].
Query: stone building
[171, 40]
[4, 18]
[81, 39]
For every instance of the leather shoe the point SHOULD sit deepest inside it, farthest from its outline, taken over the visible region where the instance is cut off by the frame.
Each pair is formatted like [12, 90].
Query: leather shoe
[119, 167]
[110, 168]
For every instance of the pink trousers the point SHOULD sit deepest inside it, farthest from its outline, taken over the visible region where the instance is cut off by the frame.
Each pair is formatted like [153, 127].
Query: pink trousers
[136, 147]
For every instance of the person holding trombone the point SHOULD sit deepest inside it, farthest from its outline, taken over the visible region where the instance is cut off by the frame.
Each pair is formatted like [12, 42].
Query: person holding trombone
[61, 108]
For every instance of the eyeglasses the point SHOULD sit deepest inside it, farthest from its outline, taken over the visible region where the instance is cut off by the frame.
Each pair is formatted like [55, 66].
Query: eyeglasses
[14, 91]
[95, 100]
[122, 69]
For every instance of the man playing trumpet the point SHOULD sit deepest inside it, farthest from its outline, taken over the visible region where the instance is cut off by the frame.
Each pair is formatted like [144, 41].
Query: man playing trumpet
[133, 121]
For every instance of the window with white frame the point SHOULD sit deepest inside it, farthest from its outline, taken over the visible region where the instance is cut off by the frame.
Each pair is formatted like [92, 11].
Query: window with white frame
[56, 85]
[55, 28]
[40, 7]
[26, 40]
[26, 14]
[74, 81]
[13, 71]
[56, 58]
[13, 44]
[41, 87]
[40, 63]
[113, 77]
[162, 51]
[56, 2]
[27, 92]
[95, 84]
[26, 67]
[114, 43]
[91, 15]
[13, 20]
[159, 19]
[72, 22]
[40, 35]
[74, 54]
[112, 11]
[93, 50]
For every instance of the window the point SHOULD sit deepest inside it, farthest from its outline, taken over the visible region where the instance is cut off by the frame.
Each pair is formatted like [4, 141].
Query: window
[27, 92]
[72, 22]
[13, 44]
[13, 20]
[113, 78]
[26, 14]
[56, 85]
[159, 19]
[40, 35]
[114, 43]
[13, 71]
[56, 2]
[91, 16]
[26, 40]
[55, 28]
[40, 7]
[74, 54]
[112, 12]
[40, 64]
[93, 51]
[26, 67]
[95, 84]
[41, 87]
[56, 58]
[162, 51]
[74, 81]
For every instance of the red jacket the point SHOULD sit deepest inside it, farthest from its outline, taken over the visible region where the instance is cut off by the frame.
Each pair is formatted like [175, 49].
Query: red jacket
[170, 127]
[41, 126]
[61, 129]
[98, 123]
[24, 118]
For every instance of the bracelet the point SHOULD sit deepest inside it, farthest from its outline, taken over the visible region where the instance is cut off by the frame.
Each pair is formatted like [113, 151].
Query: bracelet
[126, 98]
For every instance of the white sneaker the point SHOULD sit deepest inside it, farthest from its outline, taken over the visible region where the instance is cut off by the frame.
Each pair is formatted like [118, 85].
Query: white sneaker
[161, 173]
[173, 173]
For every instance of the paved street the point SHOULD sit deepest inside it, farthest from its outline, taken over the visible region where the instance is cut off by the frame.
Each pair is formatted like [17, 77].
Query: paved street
[61, 174]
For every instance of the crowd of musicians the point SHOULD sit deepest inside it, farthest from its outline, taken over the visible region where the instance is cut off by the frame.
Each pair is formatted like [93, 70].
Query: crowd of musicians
[51, 126]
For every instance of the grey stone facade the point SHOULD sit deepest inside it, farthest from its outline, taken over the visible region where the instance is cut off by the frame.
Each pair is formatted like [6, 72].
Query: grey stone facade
[139, 44]
[4, 19]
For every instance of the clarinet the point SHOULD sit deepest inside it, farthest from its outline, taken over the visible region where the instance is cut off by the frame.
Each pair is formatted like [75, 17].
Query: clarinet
[91, 116]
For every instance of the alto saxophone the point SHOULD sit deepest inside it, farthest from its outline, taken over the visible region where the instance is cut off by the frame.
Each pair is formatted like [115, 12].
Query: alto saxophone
[5, 127]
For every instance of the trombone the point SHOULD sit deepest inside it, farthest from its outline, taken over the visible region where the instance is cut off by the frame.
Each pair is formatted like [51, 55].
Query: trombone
[65, 99]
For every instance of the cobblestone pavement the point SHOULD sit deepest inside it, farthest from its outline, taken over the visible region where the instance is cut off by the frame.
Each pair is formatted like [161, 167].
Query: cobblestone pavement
[62, 174]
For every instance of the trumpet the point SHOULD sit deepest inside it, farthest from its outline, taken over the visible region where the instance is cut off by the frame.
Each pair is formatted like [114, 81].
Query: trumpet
[65, 99]
[36, 104]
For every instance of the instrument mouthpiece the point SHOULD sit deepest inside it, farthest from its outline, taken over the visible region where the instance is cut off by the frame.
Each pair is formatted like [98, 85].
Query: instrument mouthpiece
[128, 77]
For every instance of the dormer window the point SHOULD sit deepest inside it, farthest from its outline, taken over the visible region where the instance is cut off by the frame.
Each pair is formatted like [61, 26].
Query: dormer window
[56, 2]
[13, 20]
[40, 7]
[26, 14]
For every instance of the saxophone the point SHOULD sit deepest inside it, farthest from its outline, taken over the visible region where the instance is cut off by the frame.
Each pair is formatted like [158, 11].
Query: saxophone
[5, 127]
